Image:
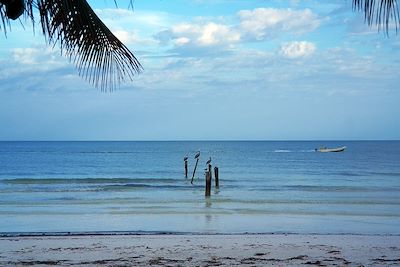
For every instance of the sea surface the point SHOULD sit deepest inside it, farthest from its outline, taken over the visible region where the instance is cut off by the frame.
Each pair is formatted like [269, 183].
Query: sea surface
[265, 187]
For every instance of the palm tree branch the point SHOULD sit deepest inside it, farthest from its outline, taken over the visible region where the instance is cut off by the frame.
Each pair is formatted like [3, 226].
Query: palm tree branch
[379, 12]
[4, 19]
[99, 56]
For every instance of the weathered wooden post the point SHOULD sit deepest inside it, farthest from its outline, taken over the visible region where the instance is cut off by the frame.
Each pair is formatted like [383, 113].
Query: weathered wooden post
[216, 175]
[197, 157]
[208, 184]
[209, 167]
[185, 159]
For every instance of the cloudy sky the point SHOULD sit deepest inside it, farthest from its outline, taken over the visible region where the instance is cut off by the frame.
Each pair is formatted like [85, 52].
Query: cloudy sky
[213, 69]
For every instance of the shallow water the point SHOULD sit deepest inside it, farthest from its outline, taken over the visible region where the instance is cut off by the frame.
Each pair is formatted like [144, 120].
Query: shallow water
[139, 186]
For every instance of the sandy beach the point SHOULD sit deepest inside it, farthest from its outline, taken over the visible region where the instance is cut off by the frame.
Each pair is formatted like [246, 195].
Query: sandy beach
[201, 250]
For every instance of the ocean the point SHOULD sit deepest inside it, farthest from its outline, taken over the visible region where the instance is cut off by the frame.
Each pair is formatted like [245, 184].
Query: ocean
[139, 187]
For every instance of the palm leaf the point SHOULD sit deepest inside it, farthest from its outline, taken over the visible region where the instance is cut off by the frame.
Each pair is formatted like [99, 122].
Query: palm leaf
[379, 12]
[99, 56]
[4, 19]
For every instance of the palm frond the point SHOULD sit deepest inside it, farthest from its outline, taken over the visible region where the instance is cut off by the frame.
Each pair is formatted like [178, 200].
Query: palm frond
[379, 12]
[99, 56]
[4, 19]
[29, 7]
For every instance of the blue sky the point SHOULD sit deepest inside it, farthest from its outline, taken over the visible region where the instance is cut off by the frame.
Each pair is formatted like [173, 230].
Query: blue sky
[213, 69]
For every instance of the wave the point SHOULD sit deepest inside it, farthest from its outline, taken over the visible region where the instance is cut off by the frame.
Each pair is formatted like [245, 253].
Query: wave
[63, 185]
[293, 151]
[188, 212]
[358, 173]
[389, 174]
[323, 188]
[129, 187]
[336, 173]
[137, 202]
[282, 151]
[55, 181]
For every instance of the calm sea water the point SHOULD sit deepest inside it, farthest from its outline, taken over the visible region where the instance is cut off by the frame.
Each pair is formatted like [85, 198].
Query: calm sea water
[139, 186]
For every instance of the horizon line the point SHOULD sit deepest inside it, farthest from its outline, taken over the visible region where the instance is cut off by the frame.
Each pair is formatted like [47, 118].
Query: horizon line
[212, 140]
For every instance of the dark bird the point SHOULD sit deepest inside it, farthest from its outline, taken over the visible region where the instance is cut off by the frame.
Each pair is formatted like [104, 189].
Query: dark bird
[185, 158]
[195, 166]
[208, 161]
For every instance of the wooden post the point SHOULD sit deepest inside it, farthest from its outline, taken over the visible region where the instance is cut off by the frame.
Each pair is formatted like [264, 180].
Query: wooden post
[216, 175]
[186, 168]
[210, 171]
[194, 171]
[208, 184]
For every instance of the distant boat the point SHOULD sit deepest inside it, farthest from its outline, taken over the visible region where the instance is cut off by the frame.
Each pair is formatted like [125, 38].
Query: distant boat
[325, 149]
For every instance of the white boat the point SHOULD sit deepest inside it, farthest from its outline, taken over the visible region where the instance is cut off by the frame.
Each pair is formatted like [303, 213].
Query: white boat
[325, 149]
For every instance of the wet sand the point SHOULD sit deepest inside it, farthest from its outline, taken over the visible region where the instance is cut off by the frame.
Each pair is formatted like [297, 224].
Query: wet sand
[201, 250]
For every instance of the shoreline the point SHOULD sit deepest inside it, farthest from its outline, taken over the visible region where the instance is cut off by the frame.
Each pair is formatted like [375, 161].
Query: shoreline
[170, 233]
[201, 250]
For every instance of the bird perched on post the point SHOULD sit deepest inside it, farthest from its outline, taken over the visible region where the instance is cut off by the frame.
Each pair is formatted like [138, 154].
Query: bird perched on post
[208, 169]
[185, 158]
[197, 156]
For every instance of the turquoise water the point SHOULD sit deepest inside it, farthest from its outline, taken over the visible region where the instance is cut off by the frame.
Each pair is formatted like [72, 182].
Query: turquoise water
[279, 187]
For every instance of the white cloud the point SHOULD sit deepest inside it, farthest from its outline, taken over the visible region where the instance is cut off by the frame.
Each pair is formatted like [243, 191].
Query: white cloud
[182, 41]
[263, 22]
[297, 49]
[43, 56]
[35, 63]
[25, 55]
[127, 37]
[348, 62]
[215, 34]
[209, 34]
[251, 25]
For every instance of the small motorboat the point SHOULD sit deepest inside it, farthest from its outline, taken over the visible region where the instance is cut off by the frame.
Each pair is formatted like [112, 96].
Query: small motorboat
[325, 149]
